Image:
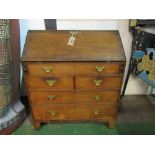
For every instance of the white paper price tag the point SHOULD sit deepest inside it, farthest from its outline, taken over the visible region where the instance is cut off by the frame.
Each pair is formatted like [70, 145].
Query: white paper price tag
[71, 40]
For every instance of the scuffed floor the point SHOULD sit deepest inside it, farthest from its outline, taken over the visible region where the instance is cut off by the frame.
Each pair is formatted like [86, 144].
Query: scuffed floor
[137, 116]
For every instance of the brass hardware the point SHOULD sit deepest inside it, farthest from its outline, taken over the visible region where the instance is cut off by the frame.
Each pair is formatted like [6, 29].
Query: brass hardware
[97, 82]
[100, 68]
[51, 97]
[96, 112]
[50, 82]
[48, 69]
[53, 113]
[97, 97]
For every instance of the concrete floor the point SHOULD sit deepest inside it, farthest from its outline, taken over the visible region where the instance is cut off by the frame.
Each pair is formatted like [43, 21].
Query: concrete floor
[137, 108]
[137, 117]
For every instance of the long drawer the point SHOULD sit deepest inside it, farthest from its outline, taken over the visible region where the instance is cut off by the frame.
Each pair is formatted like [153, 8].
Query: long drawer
[60, 68]
[52, 97]
[50, 82]
[73, 112]
[98, 82]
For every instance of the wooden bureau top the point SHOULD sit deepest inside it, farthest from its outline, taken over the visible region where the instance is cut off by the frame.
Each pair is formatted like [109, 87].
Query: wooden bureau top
[43, 45]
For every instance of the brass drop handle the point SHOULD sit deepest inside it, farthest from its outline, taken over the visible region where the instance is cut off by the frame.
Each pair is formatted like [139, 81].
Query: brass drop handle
[51, 97]
[50, 82]
[97, 82]
[100, 68]
[97, 97]
[48, 69]
[53, 113]
[96, 112]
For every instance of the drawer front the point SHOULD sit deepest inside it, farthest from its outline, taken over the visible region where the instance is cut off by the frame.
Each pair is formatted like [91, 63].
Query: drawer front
[50, 82]
[73, 112]
[48, 69]
[96, 97]
[50, 97]
[102, 82]
[97, 68]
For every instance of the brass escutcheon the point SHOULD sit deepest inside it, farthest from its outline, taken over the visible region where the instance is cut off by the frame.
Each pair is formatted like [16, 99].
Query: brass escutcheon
[100, 68]
[97, 82]
[51, 97]
[48, 69]
[53, 113]
[97, 97]
[50, 82]
[96, 112]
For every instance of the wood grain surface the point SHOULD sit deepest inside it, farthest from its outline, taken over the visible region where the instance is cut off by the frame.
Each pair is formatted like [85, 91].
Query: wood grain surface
[89, 46]
[87, 76]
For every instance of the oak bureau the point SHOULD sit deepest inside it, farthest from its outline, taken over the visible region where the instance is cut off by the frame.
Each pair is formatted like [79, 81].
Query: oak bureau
[73, 75]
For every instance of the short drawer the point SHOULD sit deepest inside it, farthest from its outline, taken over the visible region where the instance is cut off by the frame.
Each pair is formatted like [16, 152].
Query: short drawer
[48, 69]
[97, 68]
[50, 83]
[73, 112]
[98, 82]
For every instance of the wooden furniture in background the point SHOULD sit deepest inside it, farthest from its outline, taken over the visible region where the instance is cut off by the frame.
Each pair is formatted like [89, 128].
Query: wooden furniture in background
[78, 82]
